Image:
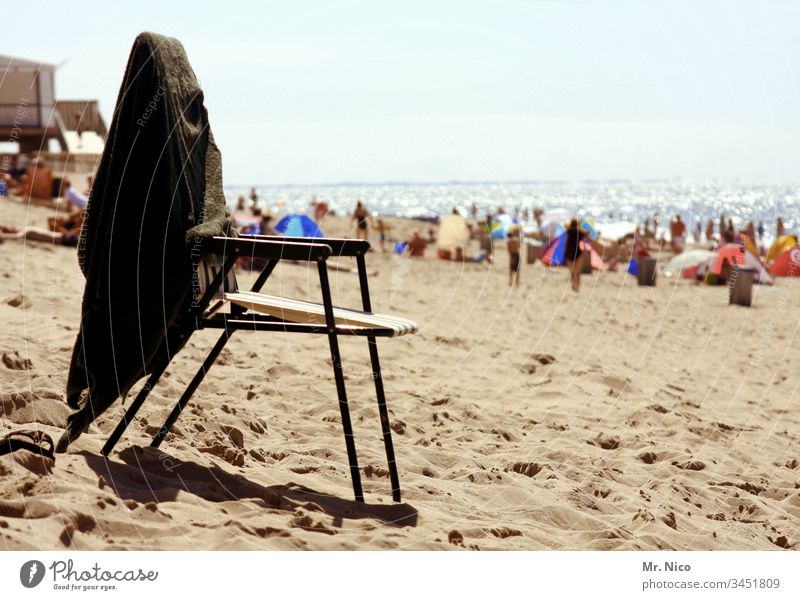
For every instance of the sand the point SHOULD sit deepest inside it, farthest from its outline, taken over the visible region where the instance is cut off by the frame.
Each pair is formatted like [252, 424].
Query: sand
[533, 418]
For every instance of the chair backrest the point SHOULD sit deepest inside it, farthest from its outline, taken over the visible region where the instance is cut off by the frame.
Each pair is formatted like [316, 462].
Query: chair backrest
[207, 269]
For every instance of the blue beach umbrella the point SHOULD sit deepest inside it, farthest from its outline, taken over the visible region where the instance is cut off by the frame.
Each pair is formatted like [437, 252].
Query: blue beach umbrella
[298, 226]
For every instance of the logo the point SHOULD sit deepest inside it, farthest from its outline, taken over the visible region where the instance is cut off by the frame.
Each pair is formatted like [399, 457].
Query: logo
[31, 573]
[794, 256]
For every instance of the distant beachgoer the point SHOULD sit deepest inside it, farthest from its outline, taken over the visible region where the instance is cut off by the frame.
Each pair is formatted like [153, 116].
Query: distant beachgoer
[698, 231]
[67, 237]
[730, 233]
[265, 227]
[253, 200]
[677, 232]
[79, 201]
[241, 203]
[538, 213]
[20, 168]
[417, 245]
[760, 230]
[432, 236]
[780, 228]
[474, 211]
[640, 248]
[573, 255]
[64, 230]
[383, 230]
[513, 247]
[750, 231]
[320, 210]
[360, 216]
[710, 231]
[722, 226]
[485, 238]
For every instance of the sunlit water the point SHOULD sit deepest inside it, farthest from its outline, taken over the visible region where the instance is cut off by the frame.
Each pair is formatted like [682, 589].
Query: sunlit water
[615, 207]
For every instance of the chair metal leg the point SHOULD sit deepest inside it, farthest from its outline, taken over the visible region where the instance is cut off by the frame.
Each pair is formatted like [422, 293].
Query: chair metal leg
[133, 409]
[383, 411]
[193, 385]
[338, 375]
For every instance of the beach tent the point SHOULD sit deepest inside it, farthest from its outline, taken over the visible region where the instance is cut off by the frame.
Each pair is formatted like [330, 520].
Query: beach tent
[453, 233]
[738, 255]
[787, 264]
[595, 259]
[553, 253]
[553, 229]
[686, 263]
[779, 246]
[298, 226]
[731, 253]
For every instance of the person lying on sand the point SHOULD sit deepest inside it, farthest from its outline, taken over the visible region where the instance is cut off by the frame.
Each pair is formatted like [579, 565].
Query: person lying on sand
[66, 234]
[64, 230]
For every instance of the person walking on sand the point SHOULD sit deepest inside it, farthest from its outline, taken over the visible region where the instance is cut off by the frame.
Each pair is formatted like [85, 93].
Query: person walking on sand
[780, 228]
[485, 233]
[253, 200]
[360, 216]
[573, 255]
[513, 247]
[383, 231]
[710, 231]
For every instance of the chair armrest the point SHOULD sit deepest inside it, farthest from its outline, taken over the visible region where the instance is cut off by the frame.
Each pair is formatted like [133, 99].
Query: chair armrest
[269, 249]
[339, 246]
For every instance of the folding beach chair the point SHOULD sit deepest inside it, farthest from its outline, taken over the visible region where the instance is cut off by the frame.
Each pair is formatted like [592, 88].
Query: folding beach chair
[219, 304]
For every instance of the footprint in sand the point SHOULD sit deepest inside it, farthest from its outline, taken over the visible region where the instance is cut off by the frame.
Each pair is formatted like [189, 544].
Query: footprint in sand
[690, 465]
[648, 457]
[306, 523]
[528, 469]
[456, 538]
[19, 301]
[226, 453]
[504, 532]
[15, 362]
[605, 442]
[78, 522]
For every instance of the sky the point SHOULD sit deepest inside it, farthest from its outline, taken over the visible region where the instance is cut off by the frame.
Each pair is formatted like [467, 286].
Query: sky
[325, 92]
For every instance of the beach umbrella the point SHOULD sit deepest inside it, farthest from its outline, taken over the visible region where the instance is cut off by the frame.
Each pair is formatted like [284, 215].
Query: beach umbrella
[779, 246]
[453, 233]
[588, 226]
[298, 226]
[686, 260]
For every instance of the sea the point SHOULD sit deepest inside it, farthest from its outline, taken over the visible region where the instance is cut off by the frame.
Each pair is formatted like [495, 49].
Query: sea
[614, 206]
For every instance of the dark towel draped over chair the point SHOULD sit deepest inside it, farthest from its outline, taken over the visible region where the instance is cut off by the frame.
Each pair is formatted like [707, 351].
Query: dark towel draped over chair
[157, 194]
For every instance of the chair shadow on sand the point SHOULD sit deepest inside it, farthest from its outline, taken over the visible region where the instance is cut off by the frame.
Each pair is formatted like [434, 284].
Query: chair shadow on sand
[150, 475]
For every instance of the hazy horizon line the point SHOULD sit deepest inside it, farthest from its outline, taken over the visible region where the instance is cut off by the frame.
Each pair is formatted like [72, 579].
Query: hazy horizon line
[676, 180]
